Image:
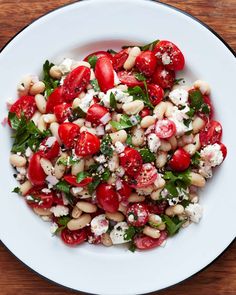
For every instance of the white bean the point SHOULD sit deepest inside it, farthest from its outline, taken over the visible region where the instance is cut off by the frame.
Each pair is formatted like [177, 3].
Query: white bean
[147, 121]
[75, 103]
[106, 240]
[122, 87]
[25, 187]
[178, 209]
[86, 207]
[76, 212]
[130, 61]
[77, 167]
[40, 103]
[165, 146]
[198, 124]
[169, 109]
[122, 208]
[173, 142]
[113, 163]
[79, 223]
[36, 117]
[55, 72]
[159, 182]
[42, 212]
[197, 179]
[192, 148]
[80, 122]
[49, 118]
[47, 166]
[24, 86]
[133, 107]
[203, 86]
[112, 179]
[138, 136]
[81, 63]
[161, 159]
[134, 198]
[169, 211]
[59, 169]
[155, 195]
[119, 136]
[17, 161]
[54, 129]
[151, 232]
[117, 216]
[88, 129]
[37, 88]
[160, 110]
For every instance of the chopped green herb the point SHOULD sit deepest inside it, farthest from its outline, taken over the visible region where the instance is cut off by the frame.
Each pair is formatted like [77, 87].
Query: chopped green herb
[62, 222]
[138, 94]
[92, 60]
[50, 83]
[67, 161]
[176, 180]
[78, 113]
[147, 155]
[125, 122]
[92, 185]
[149, 46]
[81, 176]
[131, 232]
[140, 77]
[185, 203]
[63, 186]
[191, 112]
[113, 103]
[16, 190]
[187, 122]
[95, 85]
[132, 247]
[106, 146]
[205, 109]
[14, 120]
[97, 178]
[173, 224]
[106, 174]
[196, 99]
[195, 160]
[177, 81]
[129, 140]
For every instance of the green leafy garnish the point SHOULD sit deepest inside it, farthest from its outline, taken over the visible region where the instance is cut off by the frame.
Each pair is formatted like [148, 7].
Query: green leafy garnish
[177, 81]
[205, 109]
[95, 85]
[131, 232]
[149, 46]
[106, 146]
[172, 224]
[147, 155]
[16, 190]
[196, 99]
[62, 222]
[125, 122]
[113, 103]
[50, 83]
[185, 203]
[129, 140]
[187, 122]
[78, 113]
[191, 112]
[176, 180]
[92, 60]
[195, 160]
[63, 186]
[138, 94]
[140, 77]
[67, 161]
[97, 177]
[81, 176]
[14, 120]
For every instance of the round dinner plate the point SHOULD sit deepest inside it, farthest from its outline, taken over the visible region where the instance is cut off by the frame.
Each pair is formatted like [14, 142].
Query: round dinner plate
[73, 31]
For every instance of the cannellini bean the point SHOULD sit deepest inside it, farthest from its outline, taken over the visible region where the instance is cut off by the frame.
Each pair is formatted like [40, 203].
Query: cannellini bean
[88, 162]
[47, 166]
[122, 87]
[130, 61]
[76, 212]
[159, 182]
[37, 88]
[36, 117]
[59, 169]
[80, 222]
[169, 109]
[117, 216]
[178, 209]
[77, 167]
[203, 86]
[133, 107]
[106, 240]
[82, 94]
[42, 212]
[86, 207]
[154, 219]
[138, 136]
[119, 136]
[24, 86]
[17, 161]
[134, 198]
[169, 211]
[54, 129]
[162, 226]
[55, 72]
[113, 163]
[80, 122]
[198, 124]
[41, 124]
[155, 195]
[87, 129]
[49, 118]
[147, 121]
[151, 232]
[192, 148]
[173, 142]
[112, 179]
[75, 103]
[122, 208]
[197, 179]
[160, 110]
[81, 63]
[40, 103]
[161, 159]
[25, 187]
[165, 146]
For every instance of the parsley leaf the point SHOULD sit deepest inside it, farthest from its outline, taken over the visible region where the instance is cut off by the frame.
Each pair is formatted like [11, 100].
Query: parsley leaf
[187, 122]
[129, 140]
[62, 222]
[92, 60]
[81, 176]
[14, 120]
[176, 180]
[125, 122]
[95, 85]
[50, 83]
[97, 177]
[140, 77]
[106, 146]
[147, 155]
[196, 99]
[77, 113]
[149, 46]
[113, 103]
[63, 186]
[173, 224]
[195, 160]
[16, 190]
[138, 94]
[176, 82]
[205, 109]
[131, 232]
[67, 161]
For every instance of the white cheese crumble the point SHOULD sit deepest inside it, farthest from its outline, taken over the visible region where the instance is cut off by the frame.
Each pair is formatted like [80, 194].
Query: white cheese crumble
[119, 147]
[154, 142]
[64, 199]
[59, 210]
[52, 180]
[28, 152]
[100, 130]
[166, 60]
[85, 102]
[65, 66]
[100, 159]
[53, 228]
[116, 79]
[194, 211]
[120, 96]
[106, 118]
[76, 190]
[118, 232]
[212, 155]
[179, 96]
[120, 171]
[46, 190]
[99, 225]
[178, 117]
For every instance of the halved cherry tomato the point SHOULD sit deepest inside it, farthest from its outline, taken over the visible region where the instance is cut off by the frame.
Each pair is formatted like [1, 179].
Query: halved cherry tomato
[62, 111]
[88, 144]
[128, 78]
[145, 112]
[104, 73]
[54, 99]
[73, 237]
[57, 199]
[223, 149]
[169, 55]
[124, 191]
[156, 93]
[147, 175]
[137, 214]
[180, 160]
[92, 238]
[36, 174]
[158, 207]
[68, 132]
[25, 104]
[71, 179]
[163, 77]
[119, 59]
[107, 197]
[95, 114]
[49, 148]
[39, 199]
[143, 242]
[211, 133]
[75, 82]
[146, 62]
[131, 161]
[165, 128]
[99, 54]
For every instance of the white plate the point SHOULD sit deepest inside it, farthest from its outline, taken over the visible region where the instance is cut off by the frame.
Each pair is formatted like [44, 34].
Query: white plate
[73, 31]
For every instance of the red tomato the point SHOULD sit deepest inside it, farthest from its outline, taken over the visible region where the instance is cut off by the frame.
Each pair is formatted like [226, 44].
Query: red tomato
[119, 59]
[211, 133]
[128, 78]
[36, 174]
[180, 160]
[87, 144]
[92, 238]
[145, 112]
[62, 111]
[125, 190]
[157, 207]
[163, 77]
[68, 132]
[54, 99]
[96, 112]
[207, 101]
[104, 73]
[107, 197]
[75, 82]
[165, 128]
[71, 179]
[147, 175]
[73, 237]
[146, 62]
[99, 54]
[156, 93]
[131, 161]
[25, 104]
[143, 242]
[57, 199]
[169, 55]
[137, 214]
[223, 149]
[39, 199]
[49, 148]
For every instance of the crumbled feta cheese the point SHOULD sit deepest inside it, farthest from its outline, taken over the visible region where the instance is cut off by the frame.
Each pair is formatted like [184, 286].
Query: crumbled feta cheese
[119, 147]
[194, 211]
[59, 210]
[112, 164]
[85, 102]
[76, 190]
[65, 66]
[154, 142]
[212, 155]
[120, 171]
[99, 225]
[106, 118]
[145, 191]
[29, 198]
[120, 96]
[100, 159]
[46, 218]
[178, 117]
[116, 79]
[53, 228]
[64, 199]
[179, 96]
[100, 130]
[166, 60]
[118, 232]
[50, 141]
[52, 180]
[46, 191]
[205, 169]
[28, 152]
[119, 184]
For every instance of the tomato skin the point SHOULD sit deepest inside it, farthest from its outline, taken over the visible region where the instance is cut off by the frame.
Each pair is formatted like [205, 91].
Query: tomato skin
[73, 237]
[156, 93]
[87, 144]
[104, 73]
[36, 174]
[143, 242]
[147, 175]
[49, 152]
[62, 111]
[180, 160]
[95, 113]
[44, 201]
[54, 99]
[128, 79]
[71, 179]
[157, 208]
[145, 112]
[146, 62]
[211, 134]
[131, 161]
[125, 190]
[137, 214]
[25, 104]
[223, 149]
[165, 128]
[68, 132]
[177, 60]
[75, 82]
[163, 77]
[119, 59]
[107, 197]
[99, 54]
